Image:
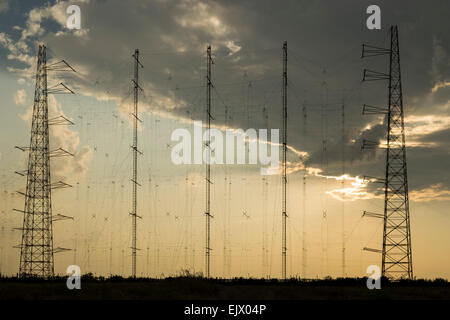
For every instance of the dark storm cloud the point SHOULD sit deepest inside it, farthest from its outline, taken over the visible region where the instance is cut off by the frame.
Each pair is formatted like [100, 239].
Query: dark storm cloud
[324, 65]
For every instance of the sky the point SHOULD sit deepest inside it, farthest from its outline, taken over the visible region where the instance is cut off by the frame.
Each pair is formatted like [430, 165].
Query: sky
[326, 190]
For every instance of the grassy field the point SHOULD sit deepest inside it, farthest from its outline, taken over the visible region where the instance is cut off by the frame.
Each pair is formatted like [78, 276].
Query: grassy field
[196, 288]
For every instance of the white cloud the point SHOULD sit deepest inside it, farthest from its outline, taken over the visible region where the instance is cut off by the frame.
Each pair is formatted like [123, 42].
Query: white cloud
[56, 12]
[423, 125]
[234, 48]
[20, 97]
[436, 192]
[440, 84]
[60, 136]
[357, 190]
[63, 137]
[200, 15]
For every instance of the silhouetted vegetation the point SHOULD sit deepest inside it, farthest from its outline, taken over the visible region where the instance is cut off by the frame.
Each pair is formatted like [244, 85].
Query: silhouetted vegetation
[194, 286]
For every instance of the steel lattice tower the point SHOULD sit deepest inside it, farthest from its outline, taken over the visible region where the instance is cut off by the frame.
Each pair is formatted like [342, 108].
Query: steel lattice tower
[396, 251]
[343, 186]
[304, 250]
[284, 178]
[397, 255]
[36, 255]
[134, 180]
[36, 248]
[208, 215]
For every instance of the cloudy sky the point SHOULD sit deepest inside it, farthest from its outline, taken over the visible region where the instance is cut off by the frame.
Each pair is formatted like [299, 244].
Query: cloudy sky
[324, 71]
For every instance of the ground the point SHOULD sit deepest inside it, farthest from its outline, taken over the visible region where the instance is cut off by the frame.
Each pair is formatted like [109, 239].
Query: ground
[197, 288]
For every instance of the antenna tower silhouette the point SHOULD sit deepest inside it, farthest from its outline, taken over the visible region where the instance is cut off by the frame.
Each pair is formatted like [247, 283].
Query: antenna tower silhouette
[36, 248]
[396, 251]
